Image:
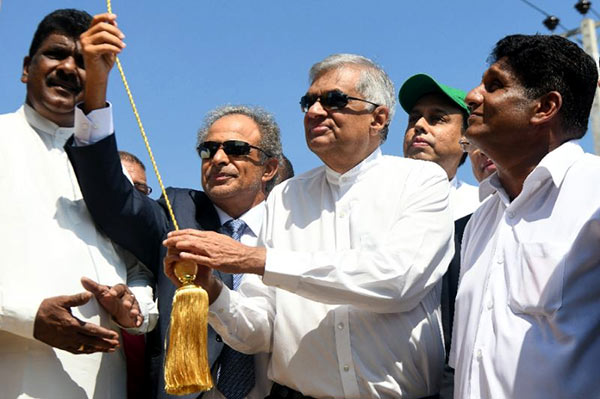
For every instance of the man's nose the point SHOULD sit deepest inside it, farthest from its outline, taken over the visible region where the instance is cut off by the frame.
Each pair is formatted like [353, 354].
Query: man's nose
[68, 65]
[316, 110]
[220, 157]
[474, 98]
[420, 125]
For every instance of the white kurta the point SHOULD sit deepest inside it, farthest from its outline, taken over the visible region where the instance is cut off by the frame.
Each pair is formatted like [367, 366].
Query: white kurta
[527, 321]
[48, 241]
[351, 309]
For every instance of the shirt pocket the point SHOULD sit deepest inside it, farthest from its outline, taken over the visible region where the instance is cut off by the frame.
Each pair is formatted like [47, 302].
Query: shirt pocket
[535, 279]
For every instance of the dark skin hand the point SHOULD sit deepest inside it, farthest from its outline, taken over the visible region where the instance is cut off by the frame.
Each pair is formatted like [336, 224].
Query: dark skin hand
[56, 326]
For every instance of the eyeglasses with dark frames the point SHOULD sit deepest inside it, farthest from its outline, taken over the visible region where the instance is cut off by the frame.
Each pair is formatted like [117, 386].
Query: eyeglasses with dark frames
[331, 100]
[143, 188]
[235, 148]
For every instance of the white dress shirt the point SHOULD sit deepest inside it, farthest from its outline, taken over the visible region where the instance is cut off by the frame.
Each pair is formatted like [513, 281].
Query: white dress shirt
[351, 305]
[254, 219]
[527, 321]
[48, 242]
[464, 198]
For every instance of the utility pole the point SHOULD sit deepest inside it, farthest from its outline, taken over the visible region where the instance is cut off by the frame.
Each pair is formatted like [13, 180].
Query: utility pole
[589, 40]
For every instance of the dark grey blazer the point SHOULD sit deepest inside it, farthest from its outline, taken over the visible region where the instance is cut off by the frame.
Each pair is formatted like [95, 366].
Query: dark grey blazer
[140, 224]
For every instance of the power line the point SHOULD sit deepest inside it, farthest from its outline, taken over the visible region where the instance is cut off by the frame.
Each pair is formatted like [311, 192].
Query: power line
[536, 8]
[551, 21]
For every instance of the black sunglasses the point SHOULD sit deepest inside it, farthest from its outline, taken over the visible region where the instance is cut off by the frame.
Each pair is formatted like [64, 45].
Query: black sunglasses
[208, 149]
[333, 99]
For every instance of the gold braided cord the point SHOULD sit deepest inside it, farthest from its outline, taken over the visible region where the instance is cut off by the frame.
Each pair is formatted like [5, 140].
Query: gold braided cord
[143, 132]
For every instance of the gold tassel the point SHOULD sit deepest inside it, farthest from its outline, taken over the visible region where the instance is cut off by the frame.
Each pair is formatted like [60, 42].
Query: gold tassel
[186, 364]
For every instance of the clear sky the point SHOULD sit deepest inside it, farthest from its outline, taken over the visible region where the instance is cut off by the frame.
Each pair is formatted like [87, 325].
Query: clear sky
[186, 57]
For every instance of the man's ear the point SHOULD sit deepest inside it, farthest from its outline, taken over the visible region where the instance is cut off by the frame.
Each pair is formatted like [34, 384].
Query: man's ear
[271, 167]
[26, 63]
[547, 108]
[381, 116]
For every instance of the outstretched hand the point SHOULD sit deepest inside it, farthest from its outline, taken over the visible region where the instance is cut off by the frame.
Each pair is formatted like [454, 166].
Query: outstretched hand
[118, 301]
[56, 326]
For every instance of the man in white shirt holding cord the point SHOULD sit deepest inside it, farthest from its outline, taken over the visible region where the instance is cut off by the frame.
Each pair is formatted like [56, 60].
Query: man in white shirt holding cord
[344, 294]
[527, 318]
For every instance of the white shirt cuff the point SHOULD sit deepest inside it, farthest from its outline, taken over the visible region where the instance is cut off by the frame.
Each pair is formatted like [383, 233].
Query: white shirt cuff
[93, 127]
[148, 309]
[221, 305]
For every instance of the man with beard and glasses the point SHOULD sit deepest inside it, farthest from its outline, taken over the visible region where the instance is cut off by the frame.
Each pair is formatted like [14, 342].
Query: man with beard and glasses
[239, 147]
[58, 340]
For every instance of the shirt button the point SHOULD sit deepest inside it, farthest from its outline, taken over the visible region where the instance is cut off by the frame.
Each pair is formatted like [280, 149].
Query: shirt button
[511, 214]
[490, 304]
[340, 326]
[479, 354]
[346, 367]
[500, 259]
[220, 310]
[342, 214]
[218, 338]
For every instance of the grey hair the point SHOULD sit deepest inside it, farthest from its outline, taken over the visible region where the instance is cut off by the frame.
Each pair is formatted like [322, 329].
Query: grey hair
[374, 84]
[270, 137]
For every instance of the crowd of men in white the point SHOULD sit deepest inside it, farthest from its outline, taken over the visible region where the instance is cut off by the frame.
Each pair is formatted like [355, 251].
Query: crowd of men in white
[371, 276]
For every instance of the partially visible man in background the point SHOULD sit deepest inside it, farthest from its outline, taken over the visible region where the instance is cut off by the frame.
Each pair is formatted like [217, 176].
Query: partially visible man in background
[136, 170]
[437, 119]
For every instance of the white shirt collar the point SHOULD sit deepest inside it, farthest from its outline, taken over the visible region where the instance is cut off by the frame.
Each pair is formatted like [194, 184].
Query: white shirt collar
[354, 174]
[454, 182]
[553, 166]
[42, 124]
[253, 217]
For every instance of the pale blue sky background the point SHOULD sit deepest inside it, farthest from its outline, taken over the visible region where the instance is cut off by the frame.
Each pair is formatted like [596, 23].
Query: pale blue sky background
[186, 57]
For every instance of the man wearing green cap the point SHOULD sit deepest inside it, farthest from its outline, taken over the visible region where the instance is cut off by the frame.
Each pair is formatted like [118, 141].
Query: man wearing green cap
[437, 118]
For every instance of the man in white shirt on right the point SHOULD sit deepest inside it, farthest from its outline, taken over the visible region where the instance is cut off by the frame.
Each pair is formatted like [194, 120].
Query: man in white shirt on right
[528, 305]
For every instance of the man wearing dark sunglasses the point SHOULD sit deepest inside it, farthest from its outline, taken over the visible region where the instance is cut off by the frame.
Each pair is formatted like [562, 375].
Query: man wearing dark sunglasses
[348, 303]
[239, 148]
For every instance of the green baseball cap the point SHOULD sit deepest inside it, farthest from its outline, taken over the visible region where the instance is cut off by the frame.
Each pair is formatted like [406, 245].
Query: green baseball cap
[418, 85]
